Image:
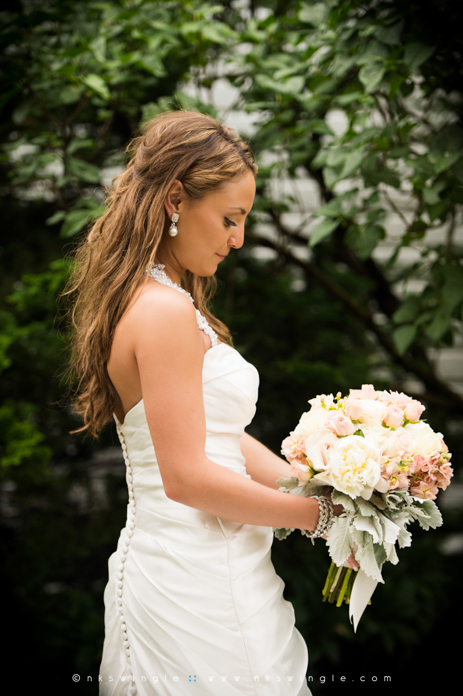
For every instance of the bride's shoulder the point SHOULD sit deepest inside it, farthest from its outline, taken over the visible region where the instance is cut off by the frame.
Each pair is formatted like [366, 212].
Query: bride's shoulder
[160, 312]
[154, 299]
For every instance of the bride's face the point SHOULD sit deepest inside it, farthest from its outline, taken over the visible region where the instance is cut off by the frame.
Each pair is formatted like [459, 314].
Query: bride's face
[207, 228]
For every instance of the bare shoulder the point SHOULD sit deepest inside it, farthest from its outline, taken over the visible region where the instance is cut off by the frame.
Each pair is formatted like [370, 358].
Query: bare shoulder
[161, 315]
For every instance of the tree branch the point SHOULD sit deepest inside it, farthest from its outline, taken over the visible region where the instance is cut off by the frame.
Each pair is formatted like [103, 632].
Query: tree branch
[437, 392]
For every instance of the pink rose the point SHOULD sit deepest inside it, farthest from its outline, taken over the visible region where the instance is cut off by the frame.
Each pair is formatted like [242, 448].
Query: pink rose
[366, 392]
[398, 441]
[399, 399]
[413, 411]
[300, 470]
[394, 416]
[339, 424]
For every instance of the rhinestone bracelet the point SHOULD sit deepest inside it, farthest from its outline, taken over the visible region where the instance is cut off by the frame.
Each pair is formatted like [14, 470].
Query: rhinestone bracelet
[325, 519]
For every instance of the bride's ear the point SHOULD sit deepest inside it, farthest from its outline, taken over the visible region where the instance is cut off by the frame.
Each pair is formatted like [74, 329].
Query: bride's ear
[174, 197]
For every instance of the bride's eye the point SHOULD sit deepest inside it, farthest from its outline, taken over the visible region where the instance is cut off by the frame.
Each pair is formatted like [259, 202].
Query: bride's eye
[229, 223]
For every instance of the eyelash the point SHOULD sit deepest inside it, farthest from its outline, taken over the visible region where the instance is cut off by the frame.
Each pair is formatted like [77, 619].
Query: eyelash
[229, 223]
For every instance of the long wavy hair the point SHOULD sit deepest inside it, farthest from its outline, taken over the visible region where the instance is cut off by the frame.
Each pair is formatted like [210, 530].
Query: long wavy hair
[110, 262]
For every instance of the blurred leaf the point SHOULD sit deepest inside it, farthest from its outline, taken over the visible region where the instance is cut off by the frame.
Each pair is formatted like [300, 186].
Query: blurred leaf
[403, 337]
[371, 74]
[416, 54]
[322, 230]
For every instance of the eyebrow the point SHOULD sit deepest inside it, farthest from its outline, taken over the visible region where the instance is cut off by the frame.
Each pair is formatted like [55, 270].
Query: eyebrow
[235, 207]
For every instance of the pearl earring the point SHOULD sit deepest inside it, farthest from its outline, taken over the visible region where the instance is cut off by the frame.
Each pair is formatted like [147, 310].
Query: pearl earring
[173, 231]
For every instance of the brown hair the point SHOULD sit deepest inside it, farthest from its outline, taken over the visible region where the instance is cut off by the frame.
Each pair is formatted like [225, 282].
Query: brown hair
[109, 264]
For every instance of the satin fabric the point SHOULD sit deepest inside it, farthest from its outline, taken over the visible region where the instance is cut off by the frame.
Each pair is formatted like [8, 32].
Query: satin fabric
[193, 604]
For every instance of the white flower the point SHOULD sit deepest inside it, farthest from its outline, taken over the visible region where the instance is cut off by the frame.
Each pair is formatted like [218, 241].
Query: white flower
[423, 438]
[310, 421]
[326, 401]
[366, 411]
[354, 467]
[376, 434]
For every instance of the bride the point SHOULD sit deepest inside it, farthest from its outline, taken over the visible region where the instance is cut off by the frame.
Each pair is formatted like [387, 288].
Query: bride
[193, 604]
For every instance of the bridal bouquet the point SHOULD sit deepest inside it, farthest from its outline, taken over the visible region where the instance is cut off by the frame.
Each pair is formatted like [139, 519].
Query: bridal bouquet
[383, 464]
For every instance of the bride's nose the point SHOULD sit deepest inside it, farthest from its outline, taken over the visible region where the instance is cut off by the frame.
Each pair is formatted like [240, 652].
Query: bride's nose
[236, 239]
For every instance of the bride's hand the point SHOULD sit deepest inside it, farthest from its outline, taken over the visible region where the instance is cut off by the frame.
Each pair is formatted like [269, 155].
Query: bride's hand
[338, 510]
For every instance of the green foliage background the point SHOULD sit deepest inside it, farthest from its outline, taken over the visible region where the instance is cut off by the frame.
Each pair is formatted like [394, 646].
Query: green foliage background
[77, 80]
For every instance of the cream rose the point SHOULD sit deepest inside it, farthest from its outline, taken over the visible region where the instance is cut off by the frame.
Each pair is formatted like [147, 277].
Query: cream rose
[366, 411]
[354, 467]
[310, 421]
[423, 438]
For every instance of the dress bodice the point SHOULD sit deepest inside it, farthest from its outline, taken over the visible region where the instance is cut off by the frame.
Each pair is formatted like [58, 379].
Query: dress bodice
[230, 389]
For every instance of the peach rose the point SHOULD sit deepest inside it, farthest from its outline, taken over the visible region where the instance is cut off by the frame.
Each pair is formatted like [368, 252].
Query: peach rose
[394, 416]
[413, 411]
[398, 441]
[300, 470]
[339, 424]
[366, 392]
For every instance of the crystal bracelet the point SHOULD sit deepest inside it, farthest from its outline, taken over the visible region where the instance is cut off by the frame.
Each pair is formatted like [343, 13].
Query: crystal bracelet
[325, 519]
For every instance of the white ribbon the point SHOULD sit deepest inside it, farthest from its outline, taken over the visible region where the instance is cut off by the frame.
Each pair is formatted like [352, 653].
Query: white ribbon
[362, 590]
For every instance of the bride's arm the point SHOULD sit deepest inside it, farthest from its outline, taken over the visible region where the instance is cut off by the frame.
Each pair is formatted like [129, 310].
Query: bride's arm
[169, 353]
[262, 464]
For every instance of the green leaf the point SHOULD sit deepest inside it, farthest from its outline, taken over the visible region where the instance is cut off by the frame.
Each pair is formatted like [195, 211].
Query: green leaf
[363, 239]
[371, 74]
[351, 163]
[390, 35]
[322, 230]
[97, 85]
[452, 292]
[416, 54]
[439, 325]
[408, 311]
[313, 14]
[83, 170]
[98, 46]
[403, 337]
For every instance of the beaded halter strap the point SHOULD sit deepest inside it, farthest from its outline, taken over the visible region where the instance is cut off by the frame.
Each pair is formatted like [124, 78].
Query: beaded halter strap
[158, 273]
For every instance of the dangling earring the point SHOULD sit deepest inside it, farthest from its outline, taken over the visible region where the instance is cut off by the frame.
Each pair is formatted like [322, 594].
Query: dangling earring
[173, 231]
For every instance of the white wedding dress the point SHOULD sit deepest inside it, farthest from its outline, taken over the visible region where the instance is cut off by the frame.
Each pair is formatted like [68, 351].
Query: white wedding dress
[193, 604]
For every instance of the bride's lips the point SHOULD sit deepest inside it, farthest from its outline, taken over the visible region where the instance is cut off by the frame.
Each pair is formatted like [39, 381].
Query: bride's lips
[221, 256]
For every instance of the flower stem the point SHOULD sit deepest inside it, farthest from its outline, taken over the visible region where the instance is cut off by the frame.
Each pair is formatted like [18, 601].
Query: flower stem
[329, 581]
[344, 587]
